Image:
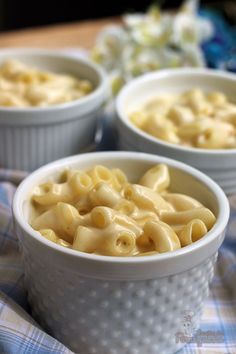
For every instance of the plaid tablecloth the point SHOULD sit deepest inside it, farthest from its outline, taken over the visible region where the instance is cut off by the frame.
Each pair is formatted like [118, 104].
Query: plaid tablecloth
[19, 333]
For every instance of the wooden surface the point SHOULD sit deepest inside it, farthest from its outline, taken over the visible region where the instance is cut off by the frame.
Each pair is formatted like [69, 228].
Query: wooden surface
[80, 34]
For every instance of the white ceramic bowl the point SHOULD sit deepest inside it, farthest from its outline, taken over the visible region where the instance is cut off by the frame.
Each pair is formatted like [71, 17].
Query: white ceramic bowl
[31, 137]
[218, 164]
[119, 305]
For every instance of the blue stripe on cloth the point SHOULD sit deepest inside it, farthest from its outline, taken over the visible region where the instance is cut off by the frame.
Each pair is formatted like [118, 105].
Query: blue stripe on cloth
[230, 245]
[13, 343]
[221, 324]
[16, 290]
[3, 196]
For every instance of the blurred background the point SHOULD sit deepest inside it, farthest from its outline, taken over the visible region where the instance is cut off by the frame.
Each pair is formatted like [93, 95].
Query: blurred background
[16, 14]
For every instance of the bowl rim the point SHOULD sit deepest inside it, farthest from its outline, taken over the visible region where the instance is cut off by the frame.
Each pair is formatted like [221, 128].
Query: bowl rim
[48, 169]
[155, 76]
[56, 53]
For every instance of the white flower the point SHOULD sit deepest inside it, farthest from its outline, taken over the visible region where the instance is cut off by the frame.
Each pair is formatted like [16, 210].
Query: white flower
[188, 29]
[152, 41]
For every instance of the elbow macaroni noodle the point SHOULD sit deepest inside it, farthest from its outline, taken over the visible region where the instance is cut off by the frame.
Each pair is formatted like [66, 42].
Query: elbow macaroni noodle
[99, 211]
[25, 86]
[193, 118]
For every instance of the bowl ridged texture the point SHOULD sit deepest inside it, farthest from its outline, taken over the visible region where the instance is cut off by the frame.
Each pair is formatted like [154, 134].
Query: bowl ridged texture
[33, 136]
[218, 164]
[28, 147]
[222, 172]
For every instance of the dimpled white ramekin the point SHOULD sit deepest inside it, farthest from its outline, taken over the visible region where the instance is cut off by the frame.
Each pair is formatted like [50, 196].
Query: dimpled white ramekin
[219, 164]
[113, 305]
[33, 136]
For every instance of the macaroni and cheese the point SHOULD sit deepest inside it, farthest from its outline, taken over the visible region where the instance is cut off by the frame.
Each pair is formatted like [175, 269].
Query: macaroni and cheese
[25, 86]
[193, 118]
[100, 211]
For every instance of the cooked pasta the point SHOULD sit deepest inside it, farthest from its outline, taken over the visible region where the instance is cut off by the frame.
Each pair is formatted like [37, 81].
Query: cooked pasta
[192, 232]
[25, 86]
[159, 235]
[157, 178]
[87, 211]
[193, 118]
[103, 194]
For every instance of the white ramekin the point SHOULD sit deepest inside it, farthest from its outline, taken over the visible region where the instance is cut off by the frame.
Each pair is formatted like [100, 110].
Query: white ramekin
[112, 305]
[31, 137]
[218, 164]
